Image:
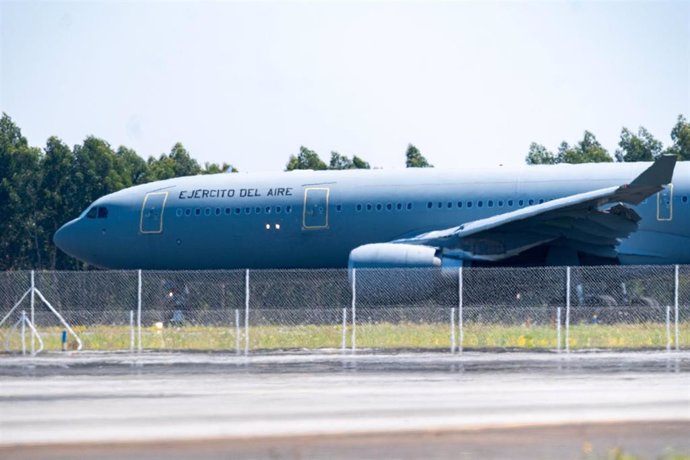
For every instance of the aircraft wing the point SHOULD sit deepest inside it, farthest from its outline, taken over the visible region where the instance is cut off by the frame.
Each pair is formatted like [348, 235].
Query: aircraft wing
[592, 222]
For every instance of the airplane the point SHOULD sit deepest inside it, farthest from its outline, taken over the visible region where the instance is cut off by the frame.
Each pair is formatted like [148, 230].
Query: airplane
[589, 214]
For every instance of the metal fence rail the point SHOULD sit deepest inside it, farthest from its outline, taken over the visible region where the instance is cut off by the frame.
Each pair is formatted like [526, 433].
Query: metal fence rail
[548, 308]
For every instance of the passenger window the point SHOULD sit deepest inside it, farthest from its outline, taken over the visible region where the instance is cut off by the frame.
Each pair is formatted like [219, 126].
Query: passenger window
[429, 205]
[339, 207]
[188, 212]
[510, 202]
[541, 200]
[459, 204]
[279, 209]
[178, 212]
[207, 211]
[469, 204]
[409, 206]
[237, 211]
[247, 210]
[228, 211]
[531, 202]
[268, 209]
[288, 209]
[197, 211]
[480, 204]
[389, 206]
[218, 211]
[521, 202]
[257, 210]
[399, 206]
[379, 207]
[440, 205]
[93, 212]
[500, 203]
[359, 207]
[368, 206]
[685, 199]
[102, 212]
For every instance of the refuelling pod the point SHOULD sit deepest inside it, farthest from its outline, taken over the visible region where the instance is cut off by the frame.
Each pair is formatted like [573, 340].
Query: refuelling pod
[399, 274]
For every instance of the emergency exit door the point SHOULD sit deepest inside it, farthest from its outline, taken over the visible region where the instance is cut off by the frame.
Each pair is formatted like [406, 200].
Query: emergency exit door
[315, 215]
[152, 212]
[664, 203]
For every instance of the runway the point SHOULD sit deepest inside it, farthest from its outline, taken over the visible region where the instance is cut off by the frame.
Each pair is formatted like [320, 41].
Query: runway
[164, 405]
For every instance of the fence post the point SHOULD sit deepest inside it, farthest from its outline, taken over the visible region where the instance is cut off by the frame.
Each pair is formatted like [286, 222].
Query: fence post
[675, 316]
[452, 330]
[246, 312]
[237, 331]
[461, 325]
[344, 340]
[131, 331]
[33, 303]
[567, 309]
[668, 328]
[24, 331]
[558, 329]
[139, 309]
[354, 309]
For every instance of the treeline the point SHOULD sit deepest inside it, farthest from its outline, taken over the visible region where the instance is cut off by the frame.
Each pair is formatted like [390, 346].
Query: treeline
[42, 188]
[631, 147]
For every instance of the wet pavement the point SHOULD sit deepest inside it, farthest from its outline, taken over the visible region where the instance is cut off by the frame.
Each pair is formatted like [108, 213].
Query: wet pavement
[154, 399]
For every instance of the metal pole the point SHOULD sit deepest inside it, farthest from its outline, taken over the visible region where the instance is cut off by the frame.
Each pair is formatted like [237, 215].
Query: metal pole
[139, 309]
[246, 312]
[676, 301]
[344, 344]
[558, 329]
[33, 303]
[131, 331]
[354, 309]
[237, 331]
[668, 328]
[23, 332]
[452, 330]
[461, 325]
[567, 309]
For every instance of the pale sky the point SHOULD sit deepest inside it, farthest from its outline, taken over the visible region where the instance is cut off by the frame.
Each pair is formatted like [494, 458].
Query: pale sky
[249, 82]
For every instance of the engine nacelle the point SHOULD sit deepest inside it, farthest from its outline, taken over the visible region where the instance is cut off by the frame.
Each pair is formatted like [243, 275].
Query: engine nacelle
[399, 274]
[391, 255]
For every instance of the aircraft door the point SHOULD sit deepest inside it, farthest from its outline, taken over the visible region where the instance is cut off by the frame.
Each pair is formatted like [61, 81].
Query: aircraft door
[315, 214]
[664, 203]
[152, 212]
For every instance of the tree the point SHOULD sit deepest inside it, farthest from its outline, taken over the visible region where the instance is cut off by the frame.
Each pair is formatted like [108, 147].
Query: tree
[339, 161]
[177, 163]
[135, 167]
[640, 147]
[414, 158]
[306, 159]
[539, 155]
[20, 175]
[59, 200]
[213, 168]
[680, 135]
[588, 150]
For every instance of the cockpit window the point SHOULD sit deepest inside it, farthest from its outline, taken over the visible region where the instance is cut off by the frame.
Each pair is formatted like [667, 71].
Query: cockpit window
[100, 212]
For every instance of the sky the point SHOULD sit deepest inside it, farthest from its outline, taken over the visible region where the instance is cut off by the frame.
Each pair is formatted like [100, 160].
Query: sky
[248, 83]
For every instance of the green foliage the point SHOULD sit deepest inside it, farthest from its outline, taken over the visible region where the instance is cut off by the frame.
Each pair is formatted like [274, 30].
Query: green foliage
[539, 155]
[339, 161]
[640, 147]
[177, 163]
[306, 159]
[588, 150]
[415, 159]
[213, 168]
[680, 135]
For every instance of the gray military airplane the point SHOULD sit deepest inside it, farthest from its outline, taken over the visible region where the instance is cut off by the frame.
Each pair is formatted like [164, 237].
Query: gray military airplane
[626, 213]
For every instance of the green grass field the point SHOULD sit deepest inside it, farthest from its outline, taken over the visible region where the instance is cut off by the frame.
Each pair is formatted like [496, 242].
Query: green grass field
[377, 336]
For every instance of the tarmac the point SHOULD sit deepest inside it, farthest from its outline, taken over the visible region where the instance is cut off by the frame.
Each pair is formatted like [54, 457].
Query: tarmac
[406, 405]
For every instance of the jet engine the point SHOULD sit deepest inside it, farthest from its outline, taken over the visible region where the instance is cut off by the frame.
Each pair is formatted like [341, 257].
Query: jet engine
[399, 274]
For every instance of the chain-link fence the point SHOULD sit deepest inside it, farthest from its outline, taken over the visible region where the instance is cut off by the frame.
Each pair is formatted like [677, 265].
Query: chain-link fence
[538, 308]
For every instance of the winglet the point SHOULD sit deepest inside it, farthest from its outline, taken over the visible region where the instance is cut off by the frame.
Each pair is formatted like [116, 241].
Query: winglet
[650, 181]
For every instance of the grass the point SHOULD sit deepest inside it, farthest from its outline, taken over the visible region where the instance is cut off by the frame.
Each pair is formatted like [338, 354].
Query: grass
[404, 335]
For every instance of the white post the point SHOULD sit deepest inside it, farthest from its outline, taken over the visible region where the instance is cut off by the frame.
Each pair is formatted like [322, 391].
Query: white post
[131, 331]
[23, 332]
[558, 329]
[33, 303]
[344, 342]
[139, 309]
[452, 330]
[354, 309]
[567, 309]
[246, 312]
[676, 301]
[668, 328]
[237, 331]
[461, 326]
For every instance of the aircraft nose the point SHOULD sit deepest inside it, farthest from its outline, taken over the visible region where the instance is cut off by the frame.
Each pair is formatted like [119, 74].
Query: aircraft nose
[65, 238]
